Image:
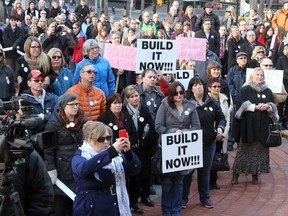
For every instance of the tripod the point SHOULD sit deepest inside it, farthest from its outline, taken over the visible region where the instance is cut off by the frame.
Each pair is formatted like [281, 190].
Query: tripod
[10, 204]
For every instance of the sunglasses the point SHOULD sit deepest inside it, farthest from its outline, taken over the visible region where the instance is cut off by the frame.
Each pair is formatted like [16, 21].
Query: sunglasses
[37, 80]
[261, 52]
[228, 11]
[216, 86]
[178, 93]
[90, 71]
[268, 65]
[56, 57]
[102, 139]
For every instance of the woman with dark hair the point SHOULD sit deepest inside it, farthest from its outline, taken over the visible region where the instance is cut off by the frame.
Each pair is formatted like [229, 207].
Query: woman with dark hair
[131, 39]
[213, 123]
[175, 115]
[266, 38]
[101, 39]
[87, 22]
[139, 185]
[259, 30]
[117, 119]
[66, 123]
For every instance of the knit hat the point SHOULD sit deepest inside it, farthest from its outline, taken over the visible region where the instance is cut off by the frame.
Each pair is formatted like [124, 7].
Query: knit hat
[208, 5]
[66, 98]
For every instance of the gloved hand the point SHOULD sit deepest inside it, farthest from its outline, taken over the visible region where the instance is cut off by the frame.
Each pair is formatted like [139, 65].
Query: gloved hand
[53, 175]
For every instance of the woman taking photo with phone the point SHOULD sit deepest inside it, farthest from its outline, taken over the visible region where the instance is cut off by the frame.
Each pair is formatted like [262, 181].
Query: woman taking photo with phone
[100, 170]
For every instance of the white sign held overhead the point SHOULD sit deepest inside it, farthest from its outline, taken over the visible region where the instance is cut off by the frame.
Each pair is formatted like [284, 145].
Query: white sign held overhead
[159, 55]
[182, 151]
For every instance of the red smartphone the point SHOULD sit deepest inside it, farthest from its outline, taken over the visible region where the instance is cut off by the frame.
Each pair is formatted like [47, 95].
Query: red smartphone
[122, 133]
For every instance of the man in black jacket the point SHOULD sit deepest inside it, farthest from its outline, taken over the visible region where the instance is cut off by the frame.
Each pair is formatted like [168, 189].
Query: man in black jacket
[250, 44]
[208, 13]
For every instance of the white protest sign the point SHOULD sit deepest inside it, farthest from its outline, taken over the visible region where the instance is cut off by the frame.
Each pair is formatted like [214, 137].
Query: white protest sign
[182, 151]
[273, 78]
[184, 76]
[156, 54]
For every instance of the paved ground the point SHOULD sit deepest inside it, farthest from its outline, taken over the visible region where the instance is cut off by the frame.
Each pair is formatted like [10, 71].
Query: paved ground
[268, 198]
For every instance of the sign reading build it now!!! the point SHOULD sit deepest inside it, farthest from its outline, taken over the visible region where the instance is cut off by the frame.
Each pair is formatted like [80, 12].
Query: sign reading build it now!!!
[182, 151]
[156, 54]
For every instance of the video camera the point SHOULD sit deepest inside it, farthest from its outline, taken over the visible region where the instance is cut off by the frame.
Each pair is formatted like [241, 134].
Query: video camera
[16, 139]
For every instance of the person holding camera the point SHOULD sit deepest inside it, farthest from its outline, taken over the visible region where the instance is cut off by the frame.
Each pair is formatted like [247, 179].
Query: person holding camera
[57, 36]
[100, 170]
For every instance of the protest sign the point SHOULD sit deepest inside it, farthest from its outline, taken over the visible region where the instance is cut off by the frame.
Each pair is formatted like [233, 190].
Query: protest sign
[156, 54]
[120, 57]
[182, 151]
[273, 78]
[184, 76]
[193, 48]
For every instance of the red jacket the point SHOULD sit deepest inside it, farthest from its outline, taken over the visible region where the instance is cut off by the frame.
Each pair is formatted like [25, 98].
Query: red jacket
[78, 54]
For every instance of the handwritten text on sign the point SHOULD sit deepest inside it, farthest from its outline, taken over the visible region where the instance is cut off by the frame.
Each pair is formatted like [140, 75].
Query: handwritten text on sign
[182, 151]
[156, 54]
[193, 48]
[120, 57]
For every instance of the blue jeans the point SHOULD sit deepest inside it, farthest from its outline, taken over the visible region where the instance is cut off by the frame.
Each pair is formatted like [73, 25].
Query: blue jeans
[172, 190]
[203, 175]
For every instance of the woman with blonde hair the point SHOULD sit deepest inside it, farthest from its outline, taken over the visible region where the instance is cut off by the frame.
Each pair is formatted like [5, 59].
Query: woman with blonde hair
[268, 15]
[18, 12]
[34, 58]
[229, 18]
[234, 42]
[62, 75]
[190, 17]
[257, 55]
[149, 33]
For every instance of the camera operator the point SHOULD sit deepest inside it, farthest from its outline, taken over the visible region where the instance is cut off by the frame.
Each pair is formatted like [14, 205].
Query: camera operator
[31, 181]
[43, 102]
[57, 36]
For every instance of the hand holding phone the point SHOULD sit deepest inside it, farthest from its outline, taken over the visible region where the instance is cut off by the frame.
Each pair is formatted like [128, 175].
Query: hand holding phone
[122, 133]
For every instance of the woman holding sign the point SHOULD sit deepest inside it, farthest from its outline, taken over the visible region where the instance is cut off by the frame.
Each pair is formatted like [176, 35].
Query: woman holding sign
[175, 115]
[213, 124]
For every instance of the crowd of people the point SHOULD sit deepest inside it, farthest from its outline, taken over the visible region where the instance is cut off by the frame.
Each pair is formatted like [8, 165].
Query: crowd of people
[87, 104]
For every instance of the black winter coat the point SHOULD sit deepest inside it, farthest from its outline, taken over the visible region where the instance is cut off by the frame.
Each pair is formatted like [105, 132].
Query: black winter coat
[34, 186]
[211, 117]
[214, 19]
[10, 39]
[192, 21]
[282, 64]
[108, 118]
[60, 156]
[233, 47]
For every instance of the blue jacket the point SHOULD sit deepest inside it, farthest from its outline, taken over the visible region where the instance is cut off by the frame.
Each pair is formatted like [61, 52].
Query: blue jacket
[104, 78]
[236, 77]
[62, 82]
[50, 100]
[93, 183]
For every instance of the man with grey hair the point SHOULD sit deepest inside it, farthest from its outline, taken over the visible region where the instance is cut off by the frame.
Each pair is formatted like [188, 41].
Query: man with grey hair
[146, 21]
[91, 99]
[105, 79]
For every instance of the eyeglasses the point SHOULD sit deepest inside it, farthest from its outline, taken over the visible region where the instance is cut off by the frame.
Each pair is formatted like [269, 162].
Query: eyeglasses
[102, 139]
[267, 65]
[56, 57]
[261, 52]
[178, 93]
[35, 47]
[37, 80]
[73, 104]
[90, 71]
[216, 86]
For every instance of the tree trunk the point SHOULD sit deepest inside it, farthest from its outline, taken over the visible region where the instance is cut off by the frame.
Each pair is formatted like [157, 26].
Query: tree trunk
[106, 7]
[128, 2]
[254, 4]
